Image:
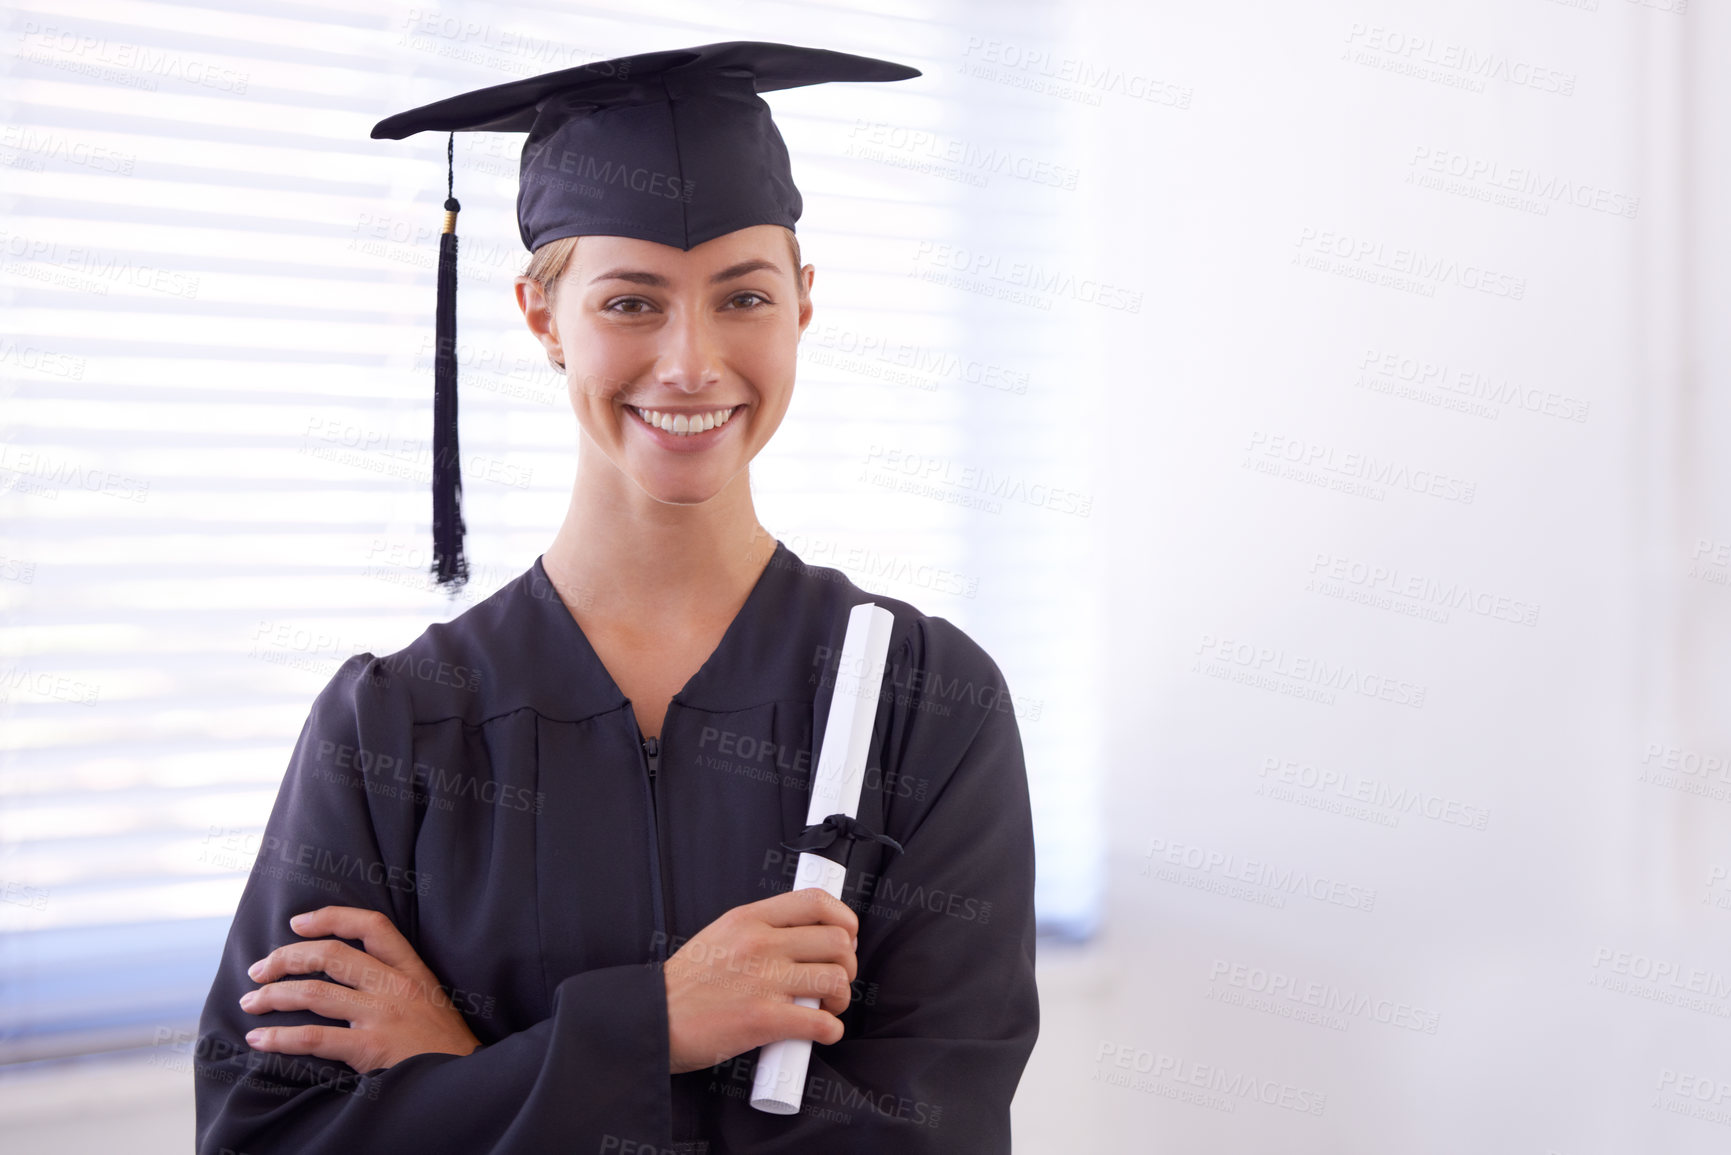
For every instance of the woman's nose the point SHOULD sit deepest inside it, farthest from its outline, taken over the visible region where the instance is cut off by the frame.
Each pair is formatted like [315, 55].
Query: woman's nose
[690, 353]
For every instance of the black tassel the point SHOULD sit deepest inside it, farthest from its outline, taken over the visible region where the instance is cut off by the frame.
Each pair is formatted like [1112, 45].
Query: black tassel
[450, 567]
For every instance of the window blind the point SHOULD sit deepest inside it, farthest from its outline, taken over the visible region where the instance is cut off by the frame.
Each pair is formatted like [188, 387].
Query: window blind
[216, 372]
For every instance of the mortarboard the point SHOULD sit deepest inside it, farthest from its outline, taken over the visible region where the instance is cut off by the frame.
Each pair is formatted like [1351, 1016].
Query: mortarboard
[674, 147]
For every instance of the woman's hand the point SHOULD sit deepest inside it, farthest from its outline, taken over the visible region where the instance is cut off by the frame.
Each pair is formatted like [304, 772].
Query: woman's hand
[731, 988]
[393, 1004]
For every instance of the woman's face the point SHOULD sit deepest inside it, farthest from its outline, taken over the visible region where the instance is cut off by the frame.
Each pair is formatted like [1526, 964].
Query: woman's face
[680, 363]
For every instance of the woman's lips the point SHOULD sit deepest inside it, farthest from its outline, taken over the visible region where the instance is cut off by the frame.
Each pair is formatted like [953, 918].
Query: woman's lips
[665, 425]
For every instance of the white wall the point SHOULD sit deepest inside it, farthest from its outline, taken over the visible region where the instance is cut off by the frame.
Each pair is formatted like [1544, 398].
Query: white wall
[1530, 944]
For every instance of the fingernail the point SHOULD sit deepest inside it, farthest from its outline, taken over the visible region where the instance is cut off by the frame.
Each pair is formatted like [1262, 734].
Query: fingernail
[248, 999]
[296, 922]
[255, 969]
[254, 1038]
[856, 942]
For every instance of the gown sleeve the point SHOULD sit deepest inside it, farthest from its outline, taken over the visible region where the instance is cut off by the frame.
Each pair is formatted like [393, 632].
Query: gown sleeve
[945, 1009]
[592, 1076]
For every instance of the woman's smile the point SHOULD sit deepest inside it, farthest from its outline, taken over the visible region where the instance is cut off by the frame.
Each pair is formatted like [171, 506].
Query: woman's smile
[684, 430]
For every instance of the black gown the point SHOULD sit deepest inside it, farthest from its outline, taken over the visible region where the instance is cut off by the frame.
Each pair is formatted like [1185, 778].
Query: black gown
[488, 788]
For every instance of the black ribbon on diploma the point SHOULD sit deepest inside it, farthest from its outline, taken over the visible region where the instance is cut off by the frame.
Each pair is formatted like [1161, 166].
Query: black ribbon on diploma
[823, 835]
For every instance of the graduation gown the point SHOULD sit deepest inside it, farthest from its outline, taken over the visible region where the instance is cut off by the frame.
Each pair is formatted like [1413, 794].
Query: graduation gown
[488, 788]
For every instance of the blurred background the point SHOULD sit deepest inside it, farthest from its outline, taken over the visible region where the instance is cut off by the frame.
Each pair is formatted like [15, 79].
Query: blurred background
[1318, 411]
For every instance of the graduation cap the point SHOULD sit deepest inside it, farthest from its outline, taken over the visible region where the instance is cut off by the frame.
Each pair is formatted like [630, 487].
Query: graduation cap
[674, 147]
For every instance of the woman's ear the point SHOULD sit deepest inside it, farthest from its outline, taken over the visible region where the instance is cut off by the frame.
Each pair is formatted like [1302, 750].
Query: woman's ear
[806, 275]
[538, 315]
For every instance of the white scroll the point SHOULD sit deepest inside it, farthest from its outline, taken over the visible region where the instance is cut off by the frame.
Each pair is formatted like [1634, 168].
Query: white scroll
[779, 1084]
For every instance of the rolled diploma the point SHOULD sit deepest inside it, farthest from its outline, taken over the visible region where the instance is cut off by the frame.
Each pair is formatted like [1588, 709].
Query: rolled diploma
[779, 1083]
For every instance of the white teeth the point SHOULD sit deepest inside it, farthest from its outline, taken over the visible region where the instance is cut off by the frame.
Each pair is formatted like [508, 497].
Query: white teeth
[681, 424]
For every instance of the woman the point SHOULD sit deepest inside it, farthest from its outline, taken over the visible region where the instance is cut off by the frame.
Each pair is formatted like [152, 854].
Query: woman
[536, 861]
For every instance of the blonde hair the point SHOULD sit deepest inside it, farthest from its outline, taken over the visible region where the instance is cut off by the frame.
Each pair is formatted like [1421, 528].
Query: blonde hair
[548, 263]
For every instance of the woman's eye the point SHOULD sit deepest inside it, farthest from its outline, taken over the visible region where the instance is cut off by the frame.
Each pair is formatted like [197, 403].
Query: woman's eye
[630, 305]
[748, 300]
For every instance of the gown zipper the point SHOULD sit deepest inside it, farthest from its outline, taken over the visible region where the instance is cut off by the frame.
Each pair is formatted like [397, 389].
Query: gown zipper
[651, 748]
[684, 1124]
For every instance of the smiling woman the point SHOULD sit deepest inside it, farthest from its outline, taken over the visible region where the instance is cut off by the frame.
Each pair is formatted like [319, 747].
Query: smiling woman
[603, 822]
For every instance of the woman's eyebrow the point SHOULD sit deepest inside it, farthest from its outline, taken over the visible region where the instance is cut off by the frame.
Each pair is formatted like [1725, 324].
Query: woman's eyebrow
[635, 276]
[743, 267]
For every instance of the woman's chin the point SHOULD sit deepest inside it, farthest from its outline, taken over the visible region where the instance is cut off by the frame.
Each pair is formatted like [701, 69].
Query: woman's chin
[681, 490]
